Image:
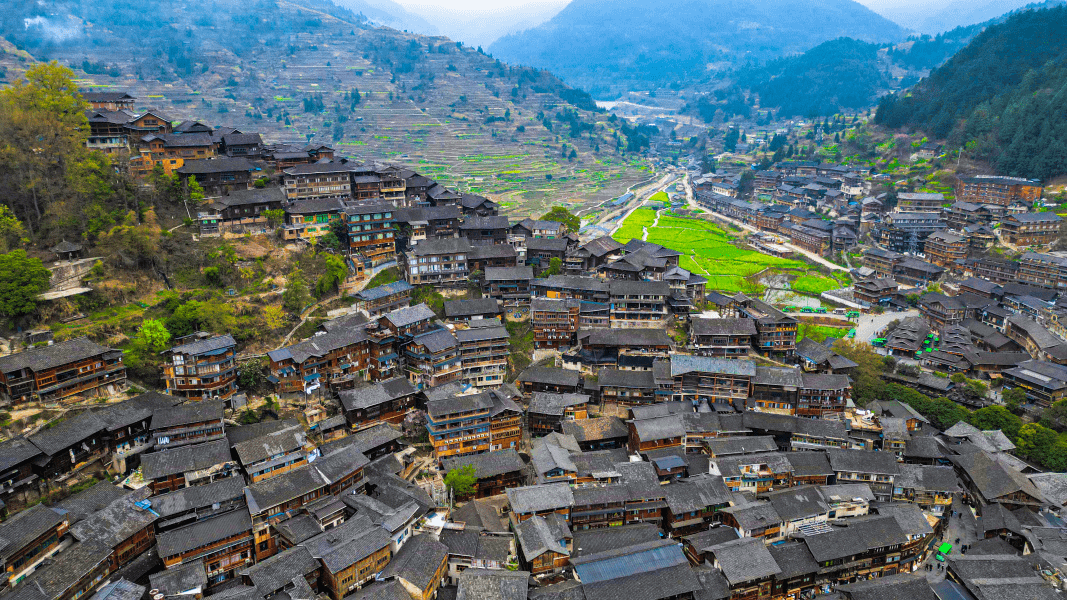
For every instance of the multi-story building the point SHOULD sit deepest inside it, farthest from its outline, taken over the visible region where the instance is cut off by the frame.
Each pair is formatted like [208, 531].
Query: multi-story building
[311, 218]
[432, 358]
[485, 230]
[1002, 191]
[1031, 229]
[505, 422]
[1043, 270]
[51, 373]
[1043, 382]
[509, 285]
[278, 498]
[774, 389]
[201, 367]
[996, 270]
[547, 412]
[483, 352]
[222, 545]
[881, 261]
[944, 248]
[776, 332]
[387, 402]
[919, 202]
[823, 394]
[385, 298]
[907, 231]
[459, 425]
[218, 175]
[35, 534]
[555, 321]
[876, 290]
[722, 380]
[729, 338]
[441, 263]
[638, 303]
[370, 233]
[337, 359]
[876, 469]
[318, 180]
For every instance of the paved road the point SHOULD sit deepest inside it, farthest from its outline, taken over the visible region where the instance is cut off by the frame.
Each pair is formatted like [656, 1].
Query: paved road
[870, 324]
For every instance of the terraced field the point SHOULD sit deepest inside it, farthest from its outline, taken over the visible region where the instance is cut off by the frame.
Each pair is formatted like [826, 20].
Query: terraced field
[709, 251]
[426, 103]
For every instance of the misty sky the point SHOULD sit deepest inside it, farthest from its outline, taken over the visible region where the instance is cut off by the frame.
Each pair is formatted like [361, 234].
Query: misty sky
[483, 4]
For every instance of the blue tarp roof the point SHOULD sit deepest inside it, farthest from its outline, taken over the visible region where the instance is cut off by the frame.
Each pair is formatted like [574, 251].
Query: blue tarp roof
[613, 567]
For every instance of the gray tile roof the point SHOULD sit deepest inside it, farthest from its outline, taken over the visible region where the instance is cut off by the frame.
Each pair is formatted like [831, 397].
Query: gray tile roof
[659, 428]
[67, 433]
[651, 585]
[539, 498]
[798, 502]
[16, 451]
[863, 461]
[376, 394]
[754, 515]
[201, 346]
[24, 527]
[116, 522]
[749, 444]
[479, 514]
[185, 414]
[180, 579]
[86, 502]
[348, 543]
[684, 363]
[486, 584]
[476, 306]
[489, 464]
[202, 533]
[55, 355]
[274, 573]
[157, 465]
[745, 559]
[551, 376]
[270, 445]
[544, 403]
[458, 404]
[595, 429]
[508, 273]
[595, 541]
[538, 535]
[402, 317]
[390, 590]
[417, 561]
[738, 326]
[696, 493]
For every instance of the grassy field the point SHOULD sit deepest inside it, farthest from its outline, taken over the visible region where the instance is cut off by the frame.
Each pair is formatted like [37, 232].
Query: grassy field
[819, 333]
[813, 285]
[708, 250]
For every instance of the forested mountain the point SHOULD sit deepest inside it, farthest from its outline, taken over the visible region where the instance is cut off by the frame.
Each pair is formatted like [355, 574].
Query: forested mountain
[838, 75]
[608, 47]
[309, 71]
[1004, 95]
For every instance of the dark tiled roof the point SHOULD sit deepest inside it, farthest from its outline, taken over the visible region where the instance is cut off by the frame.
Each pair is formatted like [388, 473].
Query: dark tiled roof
[116, 522]
[180, 579]
[86, 502]
[67, 433]
[20, 530]
[16, 451]
[466, 308]
[192, 412]
[270, 445]
[540, 498]
[198, 497]
[373, 395]
[486, 584]
[55, 355]
[555, 404]
[596, 429]
[276, 572]
[417, 561]
[202, 533]
[489, 464]
[551, 376]
[651, 585]
[194, 457]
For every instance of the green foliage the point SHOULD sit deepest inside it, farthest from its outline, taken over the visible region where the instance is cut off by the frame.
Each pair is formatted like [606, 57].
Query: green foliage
[153, 336]
[250, 375]
[461, 481]
[336, 272]
[560, 214]
[21, 279]
[385, 276]
[425, 294]
[814, 285]
[1004, 96]
[214, 315]
[275, 217]
[11, 230]
[296, 295]
[819, 333]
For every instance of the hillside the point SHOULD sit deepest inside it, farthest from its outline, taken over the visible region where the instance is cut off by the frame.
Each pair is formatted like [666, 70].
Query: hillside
[1004, 96]
[608, 48]
[839, 75]
[309, 70]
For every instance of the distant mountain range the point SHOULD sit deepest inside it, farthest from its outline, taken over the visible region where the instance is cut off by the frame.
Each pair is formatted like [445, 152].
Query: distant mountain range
[607, 48]
[484, 25]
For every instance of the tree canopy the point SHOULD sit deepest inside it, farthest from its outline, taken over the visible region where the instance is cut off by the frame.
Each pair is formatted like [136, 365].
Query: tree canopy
[22, 278]
[461, 481]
